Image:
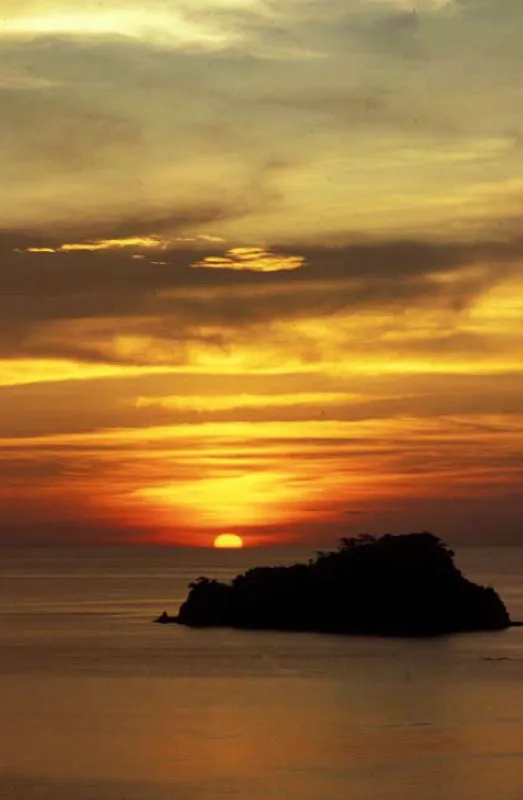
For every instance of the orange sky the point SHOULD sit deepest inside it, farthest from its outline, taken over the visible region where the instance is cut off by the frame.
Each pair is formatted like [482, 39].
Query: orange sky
[261, 271]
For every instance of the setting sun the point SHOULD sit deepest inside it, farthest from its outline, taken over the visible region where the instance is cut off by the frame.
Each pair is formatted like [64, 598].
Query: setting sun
[228, 540]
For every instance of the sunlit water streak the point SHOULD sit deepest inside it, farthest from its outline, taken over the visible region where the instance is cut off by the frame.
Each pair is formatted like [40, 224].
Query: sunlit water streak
[99, 704]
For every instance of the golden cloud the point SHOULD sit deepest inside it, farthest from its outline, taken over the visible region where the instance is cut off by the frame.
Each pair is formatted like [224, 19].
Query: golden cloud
[242, 401]
[252, 259]
[141, 242]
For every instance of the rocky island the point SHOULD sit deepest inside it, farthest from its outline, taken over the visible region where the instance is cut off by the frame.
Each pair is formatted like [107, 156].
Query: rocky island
[393, 585]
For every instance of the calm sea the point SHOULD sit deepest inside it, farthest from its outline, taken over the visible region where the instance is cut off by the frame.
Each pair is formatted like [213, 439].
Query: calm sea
[97, 703]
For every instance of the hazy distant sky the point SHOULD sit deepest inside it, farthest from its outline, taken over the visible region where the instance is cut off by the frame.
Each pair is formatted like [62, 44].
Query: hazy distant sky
[261, 269]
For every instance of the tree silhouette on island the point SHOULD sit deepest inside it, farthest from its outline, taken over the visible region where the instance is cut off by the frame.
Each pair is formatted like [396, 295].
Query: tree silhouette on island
[393, 585]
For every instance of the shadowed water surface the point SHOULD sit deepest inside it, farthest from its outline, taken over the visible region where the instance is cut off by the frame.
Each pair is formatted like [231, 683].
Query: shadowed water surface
[99, 704]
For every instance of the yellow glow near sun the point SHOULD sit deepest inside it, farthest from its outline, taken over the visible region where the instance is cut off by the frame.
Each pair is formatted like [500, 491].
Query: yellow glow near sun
[228, 541]
[237, 500]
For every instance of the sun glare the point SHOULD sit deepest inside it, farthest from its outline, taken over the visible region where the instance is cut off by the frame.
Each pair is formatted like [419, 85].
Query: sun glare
[228, 540]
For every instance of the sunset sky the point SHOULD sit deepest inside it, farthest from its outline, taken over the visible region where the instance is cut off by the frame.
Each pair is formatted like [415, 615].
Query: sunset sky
[261, 270]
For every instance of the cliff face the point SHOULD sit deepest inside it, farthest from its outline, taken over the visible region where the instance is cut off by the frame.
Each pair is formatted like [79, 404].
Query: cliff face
[392, 586]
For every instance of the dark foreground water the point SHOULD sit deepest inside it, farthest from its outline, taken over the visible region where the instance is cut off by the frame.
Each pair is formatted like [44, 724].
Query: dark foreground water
[96, 703]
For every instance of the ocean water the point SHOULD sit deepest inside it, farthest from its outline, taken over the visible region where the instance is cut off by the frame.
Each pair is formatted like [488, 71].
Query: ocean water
[97, 703]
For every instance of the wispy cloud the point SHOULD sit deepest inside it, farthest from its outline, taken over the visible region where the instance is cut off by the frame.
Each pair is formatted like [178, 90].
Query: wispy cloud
[252, 259]
[134, 242]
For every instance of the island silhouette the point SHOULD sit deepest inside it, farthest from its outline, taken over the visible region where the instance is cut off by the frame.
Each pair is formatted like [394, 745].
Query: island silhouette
[392, 585]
